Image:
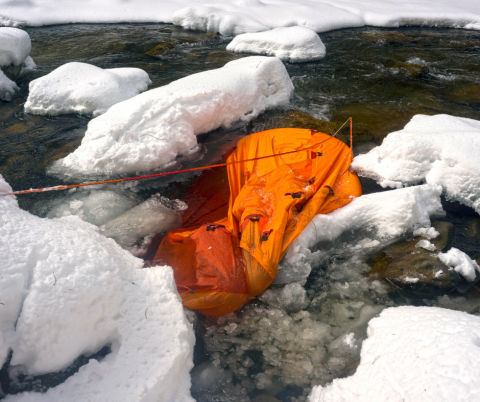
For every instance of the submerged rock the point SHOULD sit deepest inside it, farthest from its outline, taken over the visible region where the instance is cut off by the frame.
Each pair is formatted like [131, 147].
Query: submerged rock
[411, 264]
[412, 69]
[467, 94]
[162, 48]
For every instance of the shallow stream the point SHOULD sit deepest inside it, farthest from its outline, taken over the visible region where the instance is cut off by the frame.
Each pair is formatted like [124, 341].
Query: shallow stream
[379, 77]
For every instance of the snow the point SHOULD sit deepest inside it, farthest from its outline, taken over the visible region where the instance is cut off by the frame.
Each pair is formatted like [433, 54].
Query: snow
[149, 131]
[7, 87]
[461, 263]
[440, 149]
[426, 245]
[241, 16]
[83, 88]
[430, 233]
[15, 46]
[379, 218]
[66, 290]
[293, 44]
[413, 354]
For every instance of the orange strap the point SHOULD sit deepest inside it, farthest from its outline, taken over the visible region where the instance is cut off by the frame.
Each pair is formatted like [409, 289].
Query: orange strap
[65, 187]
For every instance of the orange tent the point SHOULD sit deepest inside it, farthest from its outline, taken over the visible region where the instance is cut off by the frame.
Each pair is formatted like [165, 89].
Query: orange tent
[238, 227]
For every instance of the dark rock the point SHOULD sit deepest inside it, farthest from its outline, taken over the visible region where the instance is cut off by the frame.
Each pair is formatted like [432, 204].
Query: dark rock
[295, 119]
[410, 267]
[162, 48]
[219, 58]
[12, 71]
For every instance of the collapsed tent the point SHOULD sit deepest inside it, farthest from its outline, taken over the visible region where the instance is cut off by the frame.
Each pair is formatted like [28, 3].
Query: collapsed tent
[241, 220]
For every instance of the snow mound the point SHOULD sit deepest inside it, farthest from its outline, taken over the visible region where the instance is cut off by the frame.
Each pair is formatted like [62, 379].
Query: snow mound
[15, 46]
[441, 149]
[7, 87]
[83, 88]
[151, 129]
[66, 290]
[415, 354]
[461, 263]
[379, 218]
[294, 44]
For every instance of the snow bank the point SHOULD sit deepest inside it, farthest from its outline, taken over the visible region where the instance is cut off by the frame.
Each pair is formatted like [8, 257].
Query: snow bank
[83, 88]
[461, 263]
[294, 44]
[440, 149]
[151, 129]
[15, 46]
[240, 16]
[413, 354]
[379, 218]
[66, 290]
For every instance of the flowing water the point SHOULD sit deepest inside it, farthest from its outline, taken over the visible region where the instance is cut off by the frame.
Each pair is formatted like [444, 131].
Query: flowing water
[379, 77]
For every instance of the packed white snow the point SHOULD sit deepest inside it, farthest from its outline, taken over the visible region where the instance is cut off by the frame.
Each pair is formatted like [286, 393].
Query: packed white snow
[84, 88]
[66, 290]
[413, 354]
[426, 245]
[15, 46]
[7, 87]
[381, 217]
[461, 263]
[240, 16]
[293, 44]
[440, 149]
[151, 129]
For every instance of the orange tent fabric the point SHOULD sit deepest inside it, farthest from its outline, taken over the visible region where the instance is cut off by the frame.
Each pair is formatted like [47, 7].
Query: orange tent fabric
[224, 257]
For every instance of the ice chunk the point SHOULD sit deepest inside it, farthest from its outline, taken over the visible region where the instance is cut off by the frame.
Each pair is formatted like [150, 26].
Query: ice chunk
[461, 263]
[429, 233]
[155, 215]
[93, 206]
[66, 290]
[441, 149]
[7, 87]
[408, 356]
[426, 245]
[15, 46]
[293, 44]
[151, 129]
[291, 298]
[83, 88]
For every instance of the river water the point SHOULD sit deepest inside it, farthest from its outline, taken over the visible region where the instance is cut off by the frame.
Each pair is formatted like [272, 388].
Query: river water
[379, 77]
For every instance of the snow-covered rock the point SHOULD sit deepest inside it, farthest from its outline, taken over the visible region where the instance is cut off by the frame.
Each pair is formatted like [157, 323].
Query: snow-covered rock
[461, 263]
[441, 149]
[380, 217]
[151, 129]
[239, 16]
[293, 44]
[15, 46]
[66, 290]
[83, 88]
[413, 354]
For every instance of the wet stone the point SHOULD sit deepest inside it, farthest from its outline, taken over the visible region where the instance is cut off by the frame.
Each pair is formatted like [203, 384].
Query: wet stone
[11, 71]
[162, 48]
[219, 58]
[416, 71]
[265, 398]
[467, 94]
[407, 265]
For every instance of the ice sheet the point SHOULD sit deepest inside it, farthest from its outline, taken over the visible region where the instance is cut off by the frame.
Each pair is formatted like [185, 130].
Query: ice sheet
[293, 44]
[240, 16]
[413, 354]
[441, 149]
[83, 88]
[148, 131]
[66, 290]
